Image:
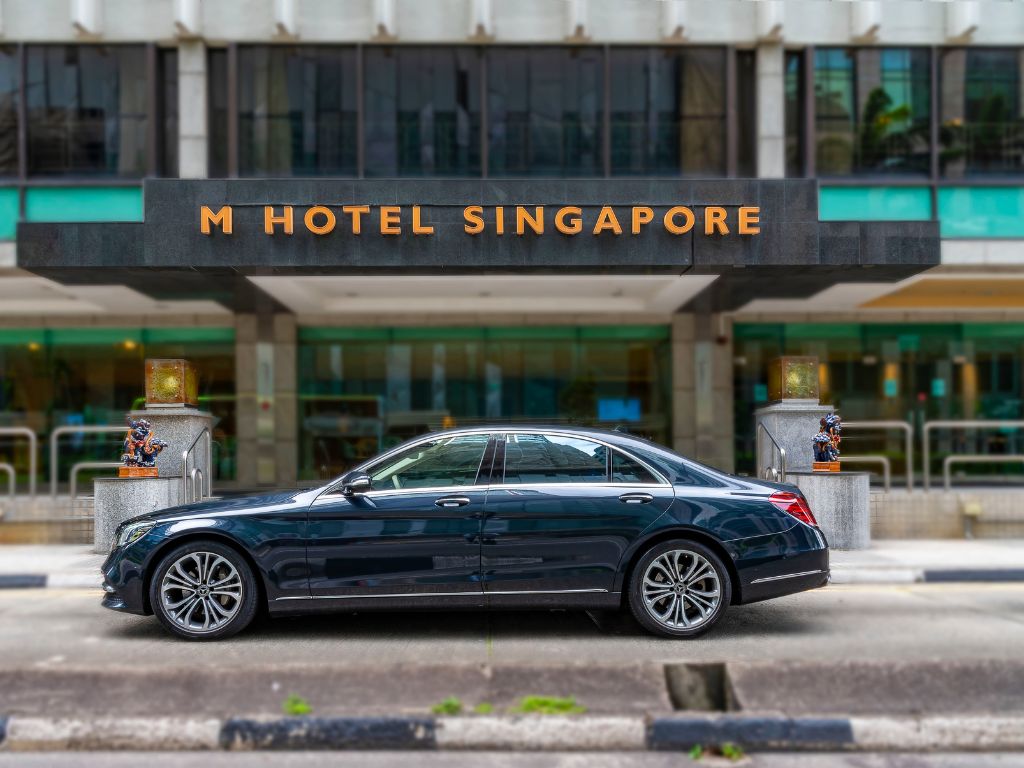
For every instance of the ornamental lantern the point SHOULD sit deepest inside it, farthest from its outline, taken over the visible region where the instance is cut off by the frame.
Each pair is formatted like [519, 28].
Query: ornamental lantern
[171, 384]
[793, 378]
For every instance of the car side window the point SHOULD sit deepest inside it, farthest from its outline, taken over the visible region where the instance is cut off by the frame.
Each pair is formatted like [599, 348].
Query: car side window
[540, 458]
[627, 470]
[447, 461]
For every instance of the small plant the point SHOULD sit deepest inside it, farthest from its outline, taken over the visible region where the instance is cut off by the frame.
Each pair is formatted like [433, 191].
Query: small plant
[450, 706]
[732, 751]
[296, 706]
[696, 752]
[484, 708]
[548, 705]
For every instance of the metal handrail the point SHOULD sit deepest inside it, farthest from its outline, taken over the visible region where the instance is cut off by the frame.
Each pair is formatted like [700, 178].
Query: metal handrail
[68, 429]
[780, 475]
[974, 458]
[908, 440]
[9, 470]
[197, 474]
[33, 453]
[883, 460]
[186, 495]
[76, 468]
[958, 424]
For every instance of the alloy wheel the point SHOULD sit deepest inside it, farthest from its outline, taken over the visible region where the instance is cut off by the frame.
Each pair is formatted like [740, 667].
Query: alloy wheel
[681, 589]
[201, 592]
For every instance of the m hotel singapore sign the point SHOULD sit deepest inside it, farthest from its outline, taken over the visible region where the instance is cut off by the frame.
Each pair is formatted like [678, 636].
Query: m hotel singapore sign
[515, 220]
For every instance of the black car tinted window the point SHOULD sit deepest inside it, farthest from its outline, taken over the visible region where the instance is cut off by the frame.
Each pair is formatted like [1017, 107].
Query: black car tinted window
[436, 464]
[538, 458]
[627, 470]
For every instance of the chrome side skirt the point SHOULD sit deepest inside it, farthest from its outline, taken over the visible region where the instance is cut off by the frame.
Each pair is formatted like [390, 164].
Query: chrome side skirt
[447, 594]
[786, 576]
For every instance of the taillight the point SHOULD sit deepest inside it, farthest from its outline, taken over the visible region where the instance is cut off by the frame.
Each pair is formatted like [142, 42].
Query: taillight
[793, 504]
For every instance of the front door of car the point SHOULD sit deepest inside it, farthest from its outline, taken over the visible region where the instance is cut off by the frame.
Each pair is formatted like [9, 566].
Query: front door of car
[415, 532]
[564, 514]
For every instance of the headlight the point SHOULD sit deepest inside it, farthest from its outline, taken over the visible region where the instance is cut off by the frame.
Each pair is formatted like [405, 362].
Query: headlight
[132, 532]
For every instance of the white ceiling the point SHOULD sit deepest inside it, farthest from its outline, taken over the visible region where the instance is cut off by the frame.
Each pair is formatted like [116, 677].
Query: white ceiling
[22, 294]
[389, 294]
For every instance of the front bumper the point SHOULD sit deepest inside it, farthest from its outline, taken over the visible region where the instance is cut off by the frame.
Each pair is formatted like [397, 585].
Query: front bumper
[123, 582]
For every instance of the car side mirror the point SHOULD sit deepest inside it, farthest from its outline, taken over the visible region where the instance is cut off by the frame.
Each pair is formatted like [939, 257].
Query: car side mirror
[355, 484]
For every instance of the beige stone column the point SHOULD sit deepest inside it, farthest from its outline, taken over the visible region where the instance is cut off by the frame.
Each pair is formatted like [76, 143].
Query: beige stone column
[286, 404]
[771, 111]
[192, 100]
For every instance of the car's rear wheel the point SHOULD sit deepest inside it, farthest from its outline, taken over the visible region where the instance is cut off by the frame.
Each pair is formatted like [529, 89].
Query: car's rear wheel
[203, 590]
[679, 588]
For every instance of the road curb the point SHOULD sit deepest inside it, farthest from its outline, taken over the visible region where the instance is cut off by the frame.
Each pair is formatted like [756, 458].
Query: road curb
[757, 733]
[59, 580]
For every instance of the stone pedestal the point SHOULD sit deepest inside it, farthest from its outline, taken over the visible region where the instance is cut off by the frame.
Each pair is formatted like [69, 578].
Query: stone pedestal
[178, 426]
[841, 504]
[121, 498]
[793, 423]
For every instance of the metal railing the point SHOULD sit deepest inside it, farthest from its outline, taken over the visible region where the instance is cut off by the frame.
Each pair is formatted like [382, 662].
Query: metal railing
[76, 468]
[961, 424]
[8, 470]
[33, 452]
[883, 461]
[68, 429]
[771, 472]
[908, 441]
[188, 480]
[974, 458]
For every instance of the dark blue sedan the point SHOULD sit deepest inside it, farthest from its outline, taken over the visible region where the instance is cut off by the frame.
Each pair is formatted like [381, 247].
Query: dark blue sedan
[499, 517]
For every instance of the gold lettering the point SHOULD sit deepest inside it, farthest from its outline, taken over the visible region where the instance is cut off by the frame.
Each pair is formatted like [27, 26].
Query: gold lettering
[641, 215]
[221, 218]
[473, 214]
[329, 220]
[574, 225]
[417, 227]
[750, 218]
[606, 220]
[499, 220]
[670, 220]
[356, 212]
[270, 220]
[535, 222]
[390, 223]
[714, 219]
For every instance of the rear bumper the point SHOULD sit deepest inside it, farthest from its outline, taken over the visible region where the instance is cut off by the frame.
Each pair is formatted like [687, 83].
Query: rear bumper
[781, 564]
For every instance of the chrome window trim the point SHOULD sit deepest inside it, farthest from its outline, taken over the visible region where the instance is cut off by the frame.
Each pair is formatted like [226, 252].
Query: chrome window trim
[330, 491]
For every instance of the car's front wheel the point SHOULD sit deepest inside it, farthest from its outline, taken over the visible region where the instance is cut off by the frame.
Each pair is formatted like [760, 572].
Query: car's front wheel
[203, 590]
[679, 589]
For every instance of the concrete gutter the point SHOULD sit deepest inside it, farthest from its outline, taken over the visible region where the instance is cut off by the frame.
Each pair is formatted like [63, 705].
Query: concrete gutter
[753, 732]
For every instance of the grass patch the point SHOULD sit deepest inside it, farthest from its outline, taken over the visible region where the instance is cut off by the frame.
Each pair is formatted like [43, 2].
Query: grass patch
[548, 705]
[484, 708]
[728, 750]
[296, 706]
[450, 706]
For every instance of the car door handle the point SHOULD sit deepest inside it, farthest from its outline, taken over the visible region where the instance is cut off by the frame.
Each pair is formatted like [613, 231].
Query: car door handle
[451, 501]
[636, 498]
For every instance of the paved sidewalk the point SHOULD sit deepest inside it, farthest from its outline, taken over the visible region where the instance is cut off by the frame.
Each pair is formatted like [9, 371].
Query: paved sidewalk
[887, 562]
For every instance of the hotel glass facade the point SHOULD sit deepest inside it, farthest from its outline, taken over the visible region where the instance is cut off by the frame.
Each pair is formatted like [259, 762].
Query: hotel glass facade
[893, 128]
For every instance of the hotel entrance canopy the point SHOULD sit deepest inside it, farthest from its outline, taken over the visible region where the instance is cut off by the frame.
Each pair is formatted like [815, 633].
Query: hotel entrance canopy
[203, 238]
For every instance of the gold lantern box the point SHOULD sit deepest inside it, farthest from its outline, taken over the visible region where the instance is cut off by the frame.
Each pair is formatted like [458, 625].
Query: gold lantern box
[793, 378]
[171, 384]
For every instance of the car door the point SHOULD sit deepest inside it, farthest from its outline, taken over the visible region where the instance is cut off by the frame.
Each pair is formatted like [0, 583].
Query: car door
[562, 513]
[414, 533]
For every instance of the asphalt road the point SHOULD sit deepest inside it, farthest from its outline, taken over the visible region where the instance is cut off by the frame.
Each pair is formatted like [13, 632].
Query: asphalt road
[493, 760]
[54, 628]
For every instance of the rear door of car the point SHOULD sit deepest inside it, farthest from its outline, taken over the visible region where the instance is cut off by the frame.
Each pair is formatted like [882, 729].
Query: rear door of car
[561, 513]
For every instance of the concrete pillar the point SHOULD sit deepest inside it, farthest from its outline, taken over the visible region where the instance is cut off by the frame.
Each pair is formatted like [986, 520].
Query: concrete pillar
[247, 448]
[684, 428]
[286, 404]
[192, 101]
[713, 421]
[771, 114]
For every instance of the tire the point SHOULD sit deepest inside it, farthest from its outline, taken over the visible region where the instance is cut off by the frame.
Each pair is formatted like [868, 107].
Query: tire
[203, 590]
[655, 594]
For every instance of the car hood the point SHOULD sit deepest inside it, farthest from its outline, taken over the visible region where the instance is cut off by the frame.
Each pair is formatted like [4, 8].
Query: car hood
[242, 503]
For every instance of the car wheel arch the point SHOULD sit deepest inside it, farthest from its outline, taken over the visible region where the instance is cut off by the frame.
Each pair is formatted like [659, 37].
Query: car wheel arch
[202, 535]
[682, 533]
